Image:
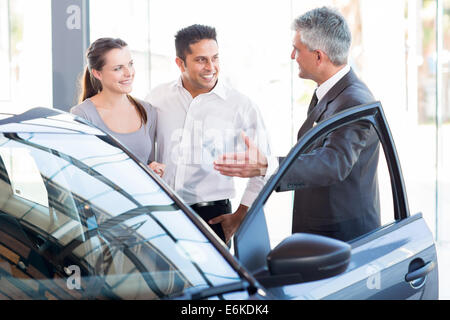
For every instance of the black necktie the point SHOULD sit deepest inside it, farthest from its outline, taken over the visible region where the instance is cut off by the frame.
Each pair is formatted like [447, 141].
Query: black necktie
[313, 102]
[308, 124]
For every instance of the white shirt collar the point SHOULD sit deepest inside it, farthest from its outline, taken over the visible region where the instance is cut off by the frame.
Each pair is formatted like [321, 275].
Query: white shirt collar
[219, 89]
[322, 90]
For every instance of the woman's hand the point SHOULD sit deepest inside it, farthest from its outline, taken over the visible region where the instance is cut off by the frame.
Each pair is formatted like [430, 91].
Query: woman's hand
[158, 168]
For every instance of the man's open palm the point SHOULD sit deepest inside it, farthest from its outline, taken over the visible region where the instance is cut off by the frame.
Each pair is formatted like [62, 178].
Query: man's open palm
[250, 163]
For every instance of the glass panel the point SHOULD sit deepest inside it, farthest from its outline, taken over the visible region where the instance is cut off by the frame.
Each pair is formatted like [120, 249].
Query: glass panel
[384, 182]
[5, 79]
[128, 20]
[278, 211]
[99, 233]
[26, 181]
[444, 138]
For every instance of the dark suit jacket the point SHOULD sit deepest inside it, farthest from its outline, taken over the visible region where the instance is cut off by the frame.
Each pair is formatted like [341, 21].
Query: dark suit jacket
[336, 181]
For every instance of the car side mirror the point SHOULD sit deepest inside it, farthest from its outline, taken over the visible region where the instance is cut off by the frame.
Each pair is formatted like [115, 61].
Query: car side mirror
[308, 257]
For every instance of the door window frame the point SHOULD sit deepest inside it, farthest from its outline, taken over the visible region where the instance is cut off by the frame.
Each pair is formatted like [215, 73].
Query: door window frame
[372, 113]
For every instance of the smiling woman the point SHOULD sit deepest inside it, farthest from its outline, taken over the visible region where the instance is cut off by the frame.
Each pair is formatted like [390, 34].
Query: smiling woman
[106, 102]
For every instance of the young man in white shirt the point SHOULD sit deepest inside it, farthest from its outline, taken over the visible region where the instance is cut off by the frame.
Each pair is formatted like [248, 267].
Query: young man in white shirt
[199, 118]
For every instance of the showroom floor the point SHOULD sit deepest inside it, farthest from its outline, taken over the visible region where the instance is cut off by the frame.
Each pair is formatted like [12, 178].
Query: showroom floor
[443, 251]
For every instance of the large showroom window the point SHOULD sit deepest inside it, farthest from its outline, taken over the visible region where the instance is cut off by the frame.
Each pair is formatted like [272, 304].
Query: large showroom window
[25, 55]
[400, 49]
[128, 20]
[443, 121]
[399, 67]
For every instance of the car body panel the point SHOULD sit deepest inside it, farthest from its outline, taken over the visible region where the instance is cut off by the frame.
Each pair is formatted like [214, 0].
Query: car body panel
[378, 267]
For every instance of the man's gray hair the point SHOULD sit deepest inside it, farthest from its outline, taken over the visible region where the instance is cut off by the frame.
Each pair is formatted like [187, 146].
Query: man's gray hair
[325, 29]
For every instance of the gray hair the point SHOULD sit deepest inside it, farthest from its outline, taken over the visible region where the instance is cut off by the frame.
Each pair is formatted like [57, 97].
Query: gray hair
[325, 29]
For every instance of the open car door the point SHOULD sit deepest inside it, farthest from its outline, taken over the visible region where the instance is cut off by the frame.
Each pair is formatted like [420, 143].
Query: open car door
[395, 260]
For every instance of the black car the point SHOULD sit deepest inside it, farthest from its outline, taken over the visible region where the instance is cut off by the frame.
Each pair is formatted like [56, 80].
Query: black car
[82, 218]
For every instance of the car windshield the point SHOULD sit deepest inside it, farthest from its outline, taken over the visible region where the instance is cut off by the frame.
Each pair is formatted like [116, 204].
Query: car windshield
[80, 219]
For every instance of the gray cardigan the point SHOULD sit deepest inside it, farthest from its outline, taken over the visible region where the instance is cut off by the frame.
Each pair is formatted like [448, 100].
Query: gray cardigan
[140, 142]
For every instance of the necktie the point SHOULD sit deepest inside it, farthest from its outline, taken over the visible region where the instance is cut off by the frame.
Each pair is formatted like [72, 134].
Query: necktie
[310, 119]
[313, 102]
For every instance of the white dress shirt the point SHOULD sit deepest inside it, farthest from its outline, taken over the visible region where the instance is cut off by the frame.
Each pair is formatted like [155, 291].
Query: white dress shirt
[193, 132]
[321, 91]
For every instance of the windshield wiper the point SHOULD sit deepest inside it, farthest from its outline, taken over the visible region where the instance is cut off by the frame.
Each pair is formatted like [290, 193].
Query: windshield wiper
[194, 293]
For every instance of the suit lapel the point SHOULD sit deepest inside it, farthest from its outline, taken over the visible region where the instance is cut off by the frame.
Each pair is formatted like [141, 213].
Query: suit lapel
[320, 108]
[340, 86]
[312, 117]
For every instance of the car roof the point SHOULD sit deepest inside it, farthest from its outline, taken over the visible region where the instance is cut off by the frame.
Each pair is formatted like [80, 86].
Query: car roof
[46, 120]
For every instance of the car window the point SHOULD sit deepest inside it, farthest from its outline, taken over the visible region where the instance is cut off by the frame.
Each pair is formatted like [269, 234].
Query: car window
[80, 219]
[26, 181]
[343, 187]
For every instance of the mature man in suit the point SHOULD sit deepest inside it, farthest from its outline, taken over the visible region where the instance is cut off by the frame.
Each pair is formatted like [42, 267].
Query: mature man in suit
[336, 187]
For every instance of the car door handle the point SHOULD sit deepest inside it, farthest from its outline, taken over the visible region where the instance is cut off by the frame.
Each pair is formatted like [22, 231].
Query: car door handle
[421, 272]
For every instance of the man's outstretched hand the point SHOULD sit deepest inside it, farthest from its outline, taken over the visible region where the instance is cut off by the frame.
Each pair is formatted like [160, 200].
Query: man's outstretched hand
[251, 163]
